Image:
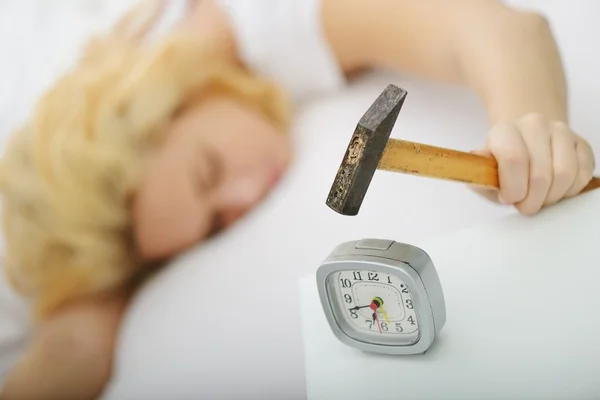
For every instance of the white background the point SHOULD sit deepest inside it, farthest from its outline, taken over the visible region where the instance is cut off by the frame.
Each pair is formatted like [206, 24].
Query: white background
[178, 341]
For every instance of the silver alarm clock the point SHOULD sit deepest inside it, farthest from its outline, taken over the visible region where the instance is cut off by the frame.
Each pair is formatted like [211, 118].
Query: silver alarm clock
[382, 296]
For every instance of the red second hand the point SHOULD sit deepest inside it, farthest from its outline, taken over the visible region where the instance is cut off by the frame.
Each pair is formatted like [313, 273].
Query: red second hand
[377, 319]
[373, 307]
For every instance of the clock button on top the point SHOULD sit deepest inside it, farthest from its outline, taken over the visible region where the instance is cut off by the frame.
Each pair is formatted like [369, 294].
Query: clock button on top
[374, 244]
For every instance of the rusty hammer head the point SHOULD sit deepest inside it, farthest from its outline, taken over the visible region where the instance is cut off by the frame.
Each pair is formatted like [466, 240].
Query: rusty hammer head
[364, 152]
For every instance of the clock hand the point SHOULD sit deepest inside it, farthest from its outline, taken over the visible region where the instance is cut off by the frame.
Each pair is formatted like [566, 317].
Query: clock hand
[359, 307]
[374, 319]
[384, 314]
[377, 320]
[377, 304]
[374, 305]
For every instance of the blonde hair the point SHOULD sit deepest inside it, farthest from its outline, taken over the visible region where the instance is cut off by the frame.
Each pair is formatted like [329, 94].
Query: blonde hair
[68, 174]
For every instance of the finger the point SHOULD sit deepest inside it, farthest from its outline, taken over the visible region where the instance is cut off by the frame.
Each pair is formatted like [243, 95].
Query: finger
[535, 133]
[565, 163]
[506, 144]
[586, 163]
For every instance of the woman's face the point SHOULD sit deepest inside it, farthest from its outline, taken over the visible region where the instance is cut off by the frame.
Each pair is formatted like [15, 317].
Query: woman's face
[219, 160]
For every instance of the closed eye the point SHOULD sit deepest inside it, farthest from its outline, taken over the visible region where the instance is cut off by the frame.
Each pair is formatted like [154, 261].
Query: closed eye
[210, 169]
[210, 176]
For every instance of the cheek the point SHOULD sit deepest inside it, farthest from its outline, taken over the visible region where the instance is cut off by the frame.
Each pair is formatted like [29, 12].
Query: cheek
[169, 215]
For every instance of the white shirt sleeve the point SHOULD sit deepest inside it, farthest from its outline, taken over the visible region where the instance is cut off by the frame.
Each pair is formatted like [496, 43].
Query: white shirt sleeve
[283, 40]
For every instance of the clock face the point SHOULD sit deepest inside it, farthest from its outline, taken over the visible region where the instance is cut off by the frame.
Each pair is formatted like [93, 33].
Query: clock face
[374, 307]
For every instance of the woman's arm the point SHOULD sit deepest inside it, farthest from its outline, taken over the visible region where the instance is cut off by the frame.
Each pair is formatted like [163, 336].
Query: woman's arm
[509, 58]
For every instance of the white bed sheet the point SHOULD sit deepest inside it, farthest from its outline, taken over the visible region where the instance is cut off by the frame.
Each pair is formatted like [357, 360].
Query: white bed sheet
[223, 321]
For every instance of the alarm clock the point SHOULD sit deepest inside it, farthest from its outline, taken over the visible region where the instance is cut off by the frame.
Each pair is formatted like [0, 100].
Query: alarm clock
[382, 296]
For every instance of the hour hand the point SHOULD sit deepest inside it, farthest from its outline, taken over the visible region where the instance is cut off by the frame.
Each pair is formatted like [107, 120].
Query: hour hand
[358, 307]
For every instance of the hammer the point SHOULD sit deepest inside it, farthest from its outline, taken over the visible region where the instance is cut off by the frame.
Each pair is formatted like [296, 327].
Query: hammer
[370, 149]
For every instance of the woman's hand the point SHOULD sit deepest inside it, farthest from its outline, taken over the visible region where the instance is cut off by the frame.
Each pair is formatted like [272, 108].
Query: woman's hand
[540, 162]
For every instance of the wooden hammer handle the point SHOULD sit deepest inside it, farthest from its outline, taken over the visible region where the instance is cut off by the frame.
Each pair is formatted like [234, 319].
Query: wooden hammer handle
[437, 162]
